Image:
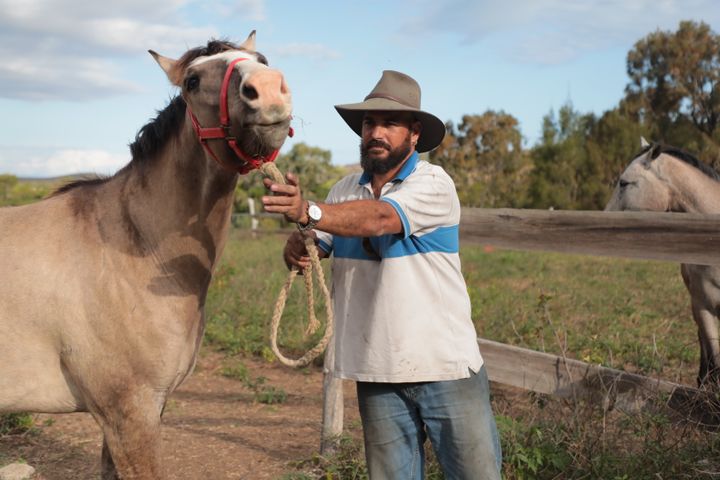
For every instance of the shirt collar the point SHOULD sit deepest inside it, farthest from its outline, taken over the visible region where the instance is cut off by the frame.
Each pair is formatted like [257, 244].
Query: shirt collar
[406, 170]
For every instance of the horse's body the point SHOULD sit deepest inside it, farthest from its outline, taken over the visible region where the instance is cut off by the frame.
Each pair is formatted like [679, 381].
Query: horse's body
[666, 179]
[103, 284]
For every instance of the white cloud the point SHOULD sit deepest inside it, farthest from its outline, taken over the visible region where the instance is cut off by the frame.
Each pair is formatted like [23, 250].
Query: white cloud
[72, 43]
[26, 162]
[555, 31]
[64, 78]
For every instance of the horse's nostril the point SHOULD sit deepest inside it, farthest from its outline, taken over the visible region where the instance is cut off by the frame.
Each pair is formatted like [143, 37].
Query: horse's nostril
[249, 92]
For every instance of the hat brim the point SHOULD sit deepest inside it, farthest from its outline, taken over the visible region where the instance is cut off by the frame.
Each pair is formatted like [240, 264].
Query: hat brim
[433, 129]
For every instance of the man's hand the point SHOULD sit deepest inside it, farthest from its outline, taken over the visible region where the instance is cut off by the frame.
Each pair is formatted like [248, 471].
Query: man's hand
[295, 253]
[286, 199]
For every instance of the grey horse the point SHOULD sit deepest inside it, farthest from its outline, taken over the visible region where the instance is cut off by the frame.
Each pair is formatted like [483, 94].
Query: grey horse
[666, 179]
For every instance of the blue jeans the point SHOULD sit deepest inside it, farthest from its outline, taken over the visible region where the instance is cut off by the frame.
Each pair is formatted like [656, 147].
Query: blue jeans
[456, 415]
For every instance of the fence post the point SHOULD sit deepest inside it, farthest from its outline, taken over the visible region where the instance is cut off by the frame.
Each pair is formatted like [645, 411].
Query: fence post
[332, 423]
[253, 219]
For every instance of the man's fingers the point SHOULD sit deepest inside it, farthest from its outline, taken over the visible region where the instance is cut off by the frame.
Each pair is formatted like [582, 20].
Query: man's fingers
[280, 189]
[292, 179]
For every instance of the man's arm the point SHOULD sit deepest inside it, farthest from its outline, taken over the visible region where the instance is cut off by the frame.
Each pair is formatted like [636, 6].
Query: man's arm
[357, 218]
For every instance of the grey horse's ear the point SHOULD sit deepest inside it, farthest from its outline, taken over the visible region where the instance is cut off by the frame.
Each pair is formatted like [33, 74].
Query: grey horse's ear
[643, 143]
[249, 43]
[169, 66]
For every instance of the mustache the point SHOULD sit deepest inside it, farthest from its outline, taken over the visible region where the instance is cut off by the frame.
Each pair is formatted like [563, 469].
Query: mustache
[377, 143]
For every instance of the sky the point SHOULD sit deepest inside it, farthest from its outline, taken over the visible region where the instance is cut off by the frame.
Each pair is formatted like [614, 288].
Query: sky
[77, 83]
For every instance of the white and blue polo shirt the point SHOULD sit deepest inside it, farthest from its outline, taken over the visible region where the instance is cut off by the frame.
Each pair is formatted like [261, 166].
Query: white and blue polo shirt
[402, 311]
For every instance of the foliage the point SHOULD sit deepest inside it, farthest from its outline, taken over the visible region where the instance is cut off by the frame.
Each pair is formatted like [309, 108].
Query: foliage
[262, 393]
[530, 450]
[674, 87]
[560, 161]
[15, 423]
[14, 191]
[7, 182]
[485, 158]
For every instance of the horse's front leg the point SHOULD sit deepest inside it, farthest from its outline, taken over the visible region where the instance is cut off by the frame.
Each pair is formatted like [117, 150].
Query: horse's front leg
[709, 373]
[131, 443]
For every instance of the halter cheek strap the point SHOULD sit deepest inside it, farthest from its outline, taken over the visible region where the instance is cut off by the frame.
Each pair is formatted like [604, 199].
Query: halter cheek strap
[223, 132]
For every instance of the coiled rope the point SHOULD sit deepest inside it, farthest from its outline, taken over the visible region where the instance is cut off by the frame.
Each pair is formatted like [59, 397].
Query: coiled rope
[270, 170]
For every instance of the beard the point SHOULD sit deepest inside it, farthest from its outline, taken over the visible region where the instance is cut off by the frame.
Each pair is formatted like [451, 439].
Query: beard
[375, 165]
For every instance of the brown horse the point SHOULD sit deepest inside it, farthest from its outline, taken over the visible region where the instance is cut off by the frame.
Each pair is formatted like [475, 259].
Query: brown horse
[666, 179]
[104, 283]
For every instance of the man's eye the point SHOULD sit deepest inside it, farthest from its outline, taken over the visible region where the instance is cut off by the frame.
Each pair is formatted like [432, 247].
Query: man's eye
[192, 83]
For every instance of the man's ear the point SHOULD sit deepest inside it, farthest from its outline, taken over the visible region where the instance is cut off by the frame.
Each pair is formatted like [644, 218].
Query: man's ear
[415, 131]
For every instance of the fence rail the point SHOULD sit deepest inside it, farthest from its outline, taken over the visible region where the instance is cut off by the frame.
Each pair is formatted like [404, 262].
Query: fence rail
[675, 237]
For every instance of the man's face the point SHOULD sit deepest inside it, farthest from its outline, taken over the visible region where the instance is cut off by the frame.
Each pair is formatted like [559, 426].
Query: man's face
[388, 138]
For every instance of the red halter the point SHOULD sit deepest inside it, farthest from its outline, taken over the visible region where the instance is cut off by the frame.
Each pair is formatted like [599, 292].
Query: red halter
[223, 131]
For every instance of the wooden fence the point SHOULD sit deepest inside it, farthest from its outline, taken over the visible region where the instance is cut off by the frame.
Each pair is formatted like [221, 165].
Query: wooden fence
[673, 237]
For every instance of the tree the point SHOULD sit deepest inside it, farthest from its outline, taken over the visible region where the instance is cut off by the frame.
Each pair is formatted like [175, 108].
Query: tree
[613, 141]
[484, 156]
[674, 87]
[561, 165]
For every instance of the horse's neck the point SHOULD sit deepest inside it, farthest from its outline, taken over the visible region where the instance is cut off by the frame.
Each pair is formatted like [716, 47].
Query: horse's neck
[178, 204]
[693, 191]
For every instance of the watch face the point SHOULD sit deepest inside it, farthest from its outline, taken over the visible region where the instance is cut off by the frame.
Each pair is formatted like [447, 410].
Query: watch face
[314, 212]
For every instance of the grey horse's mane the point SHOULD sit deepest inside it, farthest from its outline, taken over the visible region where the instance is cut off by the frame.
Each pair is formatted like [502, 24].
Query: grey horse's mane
[656, 149]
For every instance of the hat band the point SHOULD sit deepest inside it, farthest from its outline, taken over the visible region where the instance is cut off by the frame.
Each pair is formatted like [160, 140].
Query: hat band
[389, 97]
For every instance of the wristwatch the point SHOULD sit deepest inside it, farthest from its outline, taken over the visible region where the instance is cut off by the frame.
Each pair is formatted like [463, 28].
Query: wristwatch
[314, 214]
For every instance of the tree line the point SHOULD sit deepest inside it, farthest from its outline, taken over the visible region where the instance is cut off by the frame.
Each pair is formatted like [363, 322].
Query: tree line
[672, 96]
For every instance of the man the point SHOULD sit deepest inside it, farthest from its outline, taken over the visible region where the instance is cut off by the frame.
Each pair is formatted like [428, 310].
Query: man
[403, 325]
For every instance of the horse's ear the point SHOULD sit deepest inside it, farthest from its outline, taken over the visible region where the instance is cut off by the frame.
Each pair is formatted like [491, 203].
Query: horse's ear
[169, 66]
[249, 43]
[643, 143]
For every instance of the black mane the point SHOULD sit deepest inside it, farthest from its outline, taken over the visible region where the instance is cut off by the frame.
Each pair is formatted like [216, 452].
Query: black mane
[656, 149]
[154, 135]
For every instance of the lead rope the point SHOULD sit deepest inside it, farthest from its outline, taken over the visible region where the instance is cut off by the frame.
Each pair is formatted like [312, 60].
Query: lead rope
[270, 170]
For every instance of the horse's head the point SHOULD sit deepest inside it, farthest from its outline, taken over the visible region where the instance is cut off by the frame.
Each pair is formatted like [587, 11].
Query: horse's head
[642, 186]
[240, 107]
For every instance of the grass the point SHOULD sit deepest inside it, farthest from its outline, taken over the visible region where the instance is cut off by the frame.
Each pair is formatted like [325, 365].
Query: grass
[629, 315]
[242, 296]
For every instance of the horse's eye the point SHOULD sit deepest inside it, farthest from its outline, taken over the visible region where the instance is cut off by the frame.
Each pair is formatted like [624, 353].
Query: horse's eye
[192, 83]
[624, 183]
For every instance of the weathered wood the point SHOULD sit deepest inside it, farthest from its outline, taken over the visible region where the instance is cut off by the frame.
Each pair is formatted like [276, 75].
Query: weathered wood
[568, 378]
[332, 424]
[675, 237]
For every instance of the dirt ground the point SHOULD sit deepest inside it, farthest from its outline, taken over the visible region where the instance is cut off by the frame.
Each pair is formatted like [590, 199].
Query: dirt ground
[213, 428]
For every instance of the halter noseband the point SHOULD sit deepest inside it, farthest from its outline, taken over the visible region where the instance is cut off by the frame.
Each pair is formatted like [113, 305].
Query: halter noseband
[223, 131]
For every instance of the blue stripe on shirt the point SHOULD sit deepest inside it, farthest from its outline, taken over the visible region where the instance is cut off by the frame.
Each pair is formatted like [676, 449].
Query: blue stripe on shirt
[441, 240]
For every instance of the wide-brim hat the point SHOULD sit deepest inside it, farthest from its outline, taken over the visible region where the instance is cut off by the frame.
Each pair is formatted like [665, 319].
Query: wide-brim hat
[396, 92]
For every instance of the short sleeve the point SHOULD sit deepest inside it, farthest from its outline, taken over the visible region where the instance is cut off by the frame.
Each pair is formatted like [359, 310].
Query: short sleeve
[425, 200]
